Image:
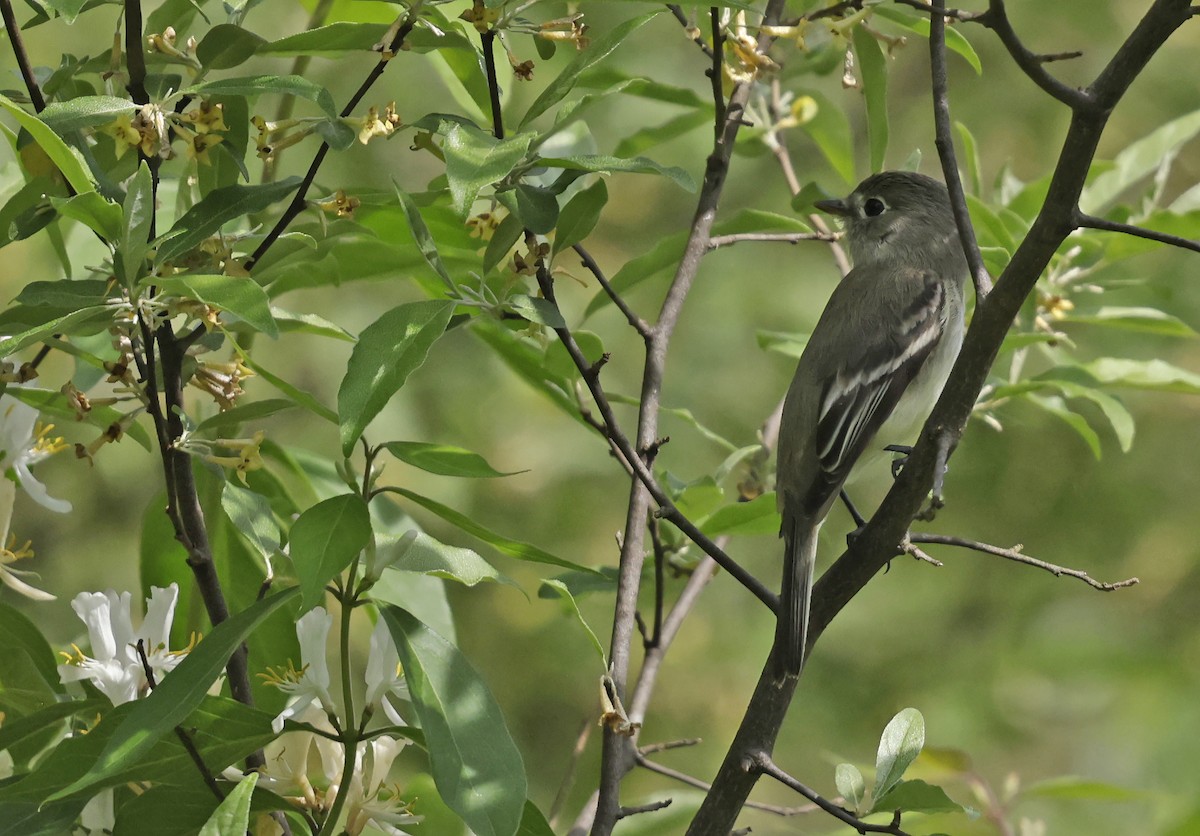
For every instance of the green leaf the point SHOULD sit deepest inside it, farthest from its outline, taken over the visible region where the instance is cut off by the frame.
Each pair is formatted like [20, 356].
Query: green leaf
[69, 161]
[900, 744]
[83, 321]
[872, 63]
[284, 85]
[252, 517]
[830, 130]
[332, 41]
[920, 25]
[475, 763]
[758, 516]
[242, 414]
[21, 634]
[1138, 160]
[970, 153]
[1156, 375]
[138, 220]
[646, 138]
[18, 729]
[475, 159]
[309, 323]
[64, 293]
[609, 165]
[1083, 789]
[916, 797]
[297, 394]
[226, 46]
[534, 309]
[325, 540]
[537, 208]
[512, 548]
[232, 816]
[54, 402]
[239, 295]
[566, 80]
[93, 211]
[533, 822]
[1057, 407]
[552, 588]
[388, 351]
[176, 696]
[84, 112]
[505, 235]
[850, 784]
[422, 554]
[579, 217]
[422, 236]
[1148, 320]
[216, 209]
[444, 459]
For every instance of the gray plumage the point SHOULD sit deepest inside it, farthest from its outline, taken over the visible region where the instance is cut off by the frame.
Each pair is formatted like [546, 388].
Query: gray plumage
[873, 367]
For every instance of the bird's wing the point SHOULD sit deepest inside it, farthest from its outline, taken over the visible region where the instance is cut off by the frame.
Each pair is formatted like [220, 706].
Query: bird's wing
[860, 395]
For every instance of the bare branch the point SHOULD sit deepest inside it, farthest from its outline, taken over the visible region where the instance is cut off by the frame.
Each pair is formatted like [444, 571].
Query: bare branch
[653, 806]
[1015, 554]
[937, 9]
[763, 763]
[684, 778]
[668, 745]
[996, 19]
[718, 241]
[689, 27]
[18, 45]
[945, 146]
[636, 322]
[299, 199]
[1092, 222]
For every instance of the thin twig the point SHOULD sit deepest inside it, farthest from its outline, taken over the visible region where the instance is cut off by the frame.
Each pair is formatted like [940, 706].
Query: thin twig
[581, 740]
[689, 27]
[667, 745]
[652, 807]
[636, 322]
[299, 198]
[18, 45]
[996, 19]
[945, 146]
[1015, 554]
[691, 781]
[184, 736]
[488, 41]
[1092, 222]
[718, 241]
[763, 763]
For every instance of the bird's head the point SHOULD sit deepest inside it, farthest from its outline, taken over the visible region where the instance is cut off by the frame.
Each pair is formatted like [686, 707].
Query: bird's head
[896, 215]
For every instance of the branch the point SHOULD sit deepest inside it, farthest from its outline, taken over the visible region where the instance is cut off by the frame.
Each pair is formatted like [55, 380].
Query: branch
[298, 200]
[18, 45]
[1092, 222]
[684, 778]
[996, 19]
[763, 764]
[1015, 554]
[135, 52]
[945, 146]
[488, 42]
[876, 544]
[636, 322]
[653, 806]
[677, 12]
[718, 241]
[185, 738]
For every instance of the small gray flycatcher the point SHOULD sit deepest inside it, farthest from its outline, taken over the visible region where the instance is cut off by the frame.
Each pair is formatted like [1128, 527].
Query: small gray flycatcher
[873, 368]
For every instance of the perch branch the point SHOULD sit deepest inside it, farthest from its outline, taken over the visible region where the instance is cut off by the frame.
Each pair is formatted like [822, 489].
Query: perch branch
[1017, 555]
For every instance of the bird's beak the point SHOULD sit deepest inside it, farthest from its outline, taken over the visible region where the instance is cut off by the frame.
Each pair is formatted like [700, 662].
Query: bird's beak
[837, 207]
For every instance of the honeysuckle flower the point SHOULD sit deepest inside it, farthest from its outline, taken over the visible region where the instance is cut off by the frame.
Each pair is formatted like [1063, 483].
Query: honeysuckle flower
[378, 124]
[383, 675]
[23, 443]
[310, 685]
[369, 801]
[566, 29]
[339, 203]
[10, 552]
[116, 668]
[248, 452]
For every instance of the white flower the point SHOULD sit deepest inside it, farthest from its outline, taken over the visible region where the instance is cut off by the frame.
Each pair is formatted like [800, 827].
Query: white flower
[116, 669]
[383, 674]
[10, 552]
[23, 443]
[369, 802]
[311, 683]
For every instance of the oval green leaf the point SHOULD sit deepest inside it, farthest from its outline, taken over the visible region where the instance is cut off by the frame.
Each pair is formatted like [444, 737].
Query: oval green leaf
[325, 540]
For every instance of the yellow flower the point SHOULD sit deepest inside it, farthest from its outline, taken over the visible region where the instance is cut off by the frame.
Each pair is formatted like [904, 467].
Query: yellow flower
[339, 203]
[480, 16]
[565, 29]
[375, 124]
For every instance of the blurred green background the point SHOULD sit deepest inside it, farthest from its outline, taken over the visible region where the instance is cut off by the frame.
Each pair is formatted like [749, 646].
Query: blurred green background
[1032, 676]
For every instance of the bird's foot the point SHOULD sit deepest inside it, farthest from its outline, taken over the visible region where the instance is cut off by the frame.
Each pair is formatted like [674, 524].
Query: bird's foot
[898, 463]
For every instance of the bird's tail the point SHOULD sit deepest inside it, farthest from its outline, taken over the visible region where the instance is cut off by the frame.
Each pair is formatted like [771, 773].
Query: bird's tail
[800, 556]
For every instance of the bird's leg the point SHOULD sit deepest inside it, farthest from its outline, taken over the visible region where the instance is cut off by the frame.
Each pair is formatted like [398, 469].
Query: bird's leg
[899, 462]
[859, 519]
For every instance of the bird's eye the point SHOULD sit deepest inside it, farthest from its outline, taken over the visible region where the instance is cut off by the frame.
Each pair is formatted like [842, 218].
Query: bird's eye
[874, 206]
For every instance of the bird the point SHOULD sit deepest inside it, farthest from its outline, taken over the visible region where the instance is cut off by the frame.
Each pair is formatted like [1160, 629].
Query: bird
[872, 370]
